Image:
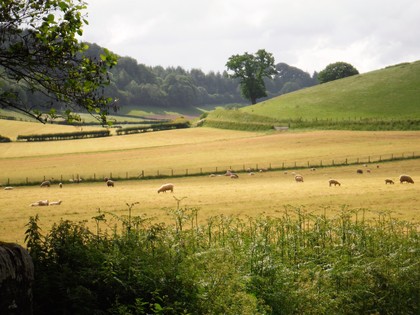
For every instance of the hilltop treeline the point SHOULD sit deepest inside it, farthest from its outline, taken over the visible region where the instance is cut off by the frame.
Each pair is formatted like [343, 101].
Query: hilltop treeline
[140, 85]
[134, 84]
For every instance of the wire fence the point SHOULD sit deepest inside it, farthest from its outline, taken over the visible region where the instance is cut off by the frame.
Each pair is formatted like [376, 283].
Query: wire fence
[200, 171]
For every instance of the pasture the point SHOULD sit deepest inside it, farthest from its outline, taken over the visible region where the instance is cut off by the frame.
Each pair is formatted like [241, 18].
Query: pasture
[193, 149]
[266, 193]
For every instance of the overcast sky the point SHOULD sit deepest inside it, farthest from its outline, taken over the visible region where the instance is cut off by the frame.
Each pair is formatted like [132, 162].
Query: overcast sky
[308, 34]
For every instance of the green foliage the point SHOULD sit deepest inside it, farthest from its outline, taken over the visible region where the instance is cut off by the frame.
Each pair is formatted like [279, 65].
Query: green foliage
[158, 126]
[251, 71]
[335, 71]
[65, 136]
[299, 263]
[4, 139]
[47, 61]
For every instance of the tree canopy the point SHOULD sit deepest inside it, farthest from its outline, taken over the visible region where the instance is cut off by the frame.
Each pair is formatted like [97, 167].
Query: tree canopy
[335, 71]
[41, 55]
[251, 71]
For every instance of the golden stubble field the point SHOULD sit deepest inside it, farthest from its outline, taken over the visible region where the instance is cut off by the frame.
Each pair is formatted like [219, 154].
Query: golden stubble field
[191, 149]
[267, 193]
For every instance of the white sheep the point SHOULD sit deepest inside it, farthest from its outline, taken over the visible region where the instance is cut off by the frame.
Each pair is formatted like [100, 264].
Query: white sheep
[8, 188]
[233, 175]
[166, 187]
[46, 183]
[40, 203]
[299, 178]
[60, 185]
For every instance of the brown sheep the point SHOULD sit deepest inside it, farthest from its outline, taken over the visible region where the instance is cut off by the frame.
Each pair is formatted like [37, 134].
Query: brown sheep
[110, 183]
[359, 171]
[166, 187]
[299, 178]
[46, 183]
[334, 182]
[406, 179]
[389, 181]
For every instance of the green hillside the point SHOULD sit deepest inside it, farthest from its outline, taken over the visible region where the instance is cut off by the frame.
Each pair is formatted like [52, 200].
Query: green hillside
[390, 93]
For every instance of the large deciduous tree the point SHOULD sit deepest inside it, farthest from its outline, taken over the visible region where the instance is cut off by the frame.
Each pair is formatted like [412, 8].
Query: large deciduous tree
[335, 71]
[251, 71]
[41, 54]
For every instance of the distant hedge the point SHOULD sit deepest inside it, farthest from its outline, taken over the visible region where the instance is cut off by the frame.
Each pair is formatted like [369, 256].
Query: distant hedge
[4, 139]
[65, 136]
[153, 127]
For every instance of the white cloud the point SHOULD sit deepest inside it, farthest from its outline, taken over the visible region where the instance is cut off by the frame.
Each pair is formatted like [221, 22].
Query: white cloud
[303, 33]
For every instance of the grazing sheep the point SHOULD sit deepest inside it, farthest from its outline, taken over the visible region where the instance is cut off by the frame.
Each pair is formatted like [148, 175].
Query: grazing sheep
[389, 181]
[8, 188]
[166, 187]
[368, 170]
[233, 175]
[299, 178]
[46, 183]
[251, 173]
[359, 171]
[212, 175]
[334, 182]
[406, 178]
[110, 183]
[55, 203]
[40, 203]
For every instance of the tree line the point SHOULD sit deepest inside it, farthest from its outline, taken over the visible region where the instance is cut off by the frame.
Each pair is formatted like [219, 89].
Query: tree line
[137, 85]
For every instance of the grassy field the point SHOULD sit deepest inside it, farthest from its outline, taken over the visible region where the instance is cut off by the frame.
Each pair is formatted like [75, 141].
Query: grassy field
[391, 93]
[194, 149]
[263, 193]
[206, 149]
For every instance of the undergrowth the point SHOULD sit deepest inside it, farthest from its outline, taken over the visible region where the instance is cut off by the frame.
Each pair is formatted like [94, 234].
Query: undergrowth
[299, 263]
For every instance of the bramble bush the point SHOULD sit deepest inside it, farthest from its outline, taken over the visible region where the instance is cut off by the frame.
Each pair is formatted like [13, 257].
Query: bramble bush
[299, 263]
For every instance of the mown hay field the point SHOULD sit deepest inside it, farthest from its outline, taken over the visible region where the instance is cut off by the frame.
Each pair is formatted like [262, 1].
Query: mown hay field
[265, 193]
[194, 150]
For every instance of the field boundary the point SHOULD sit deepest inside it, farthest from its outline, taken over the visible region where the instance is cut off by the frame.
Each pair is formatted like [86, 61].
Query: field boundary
[220, 170]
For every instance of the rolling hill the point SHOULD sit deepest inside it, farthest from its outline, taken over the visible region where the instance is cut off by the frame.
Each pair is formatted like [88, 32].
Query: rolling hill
[383, 99]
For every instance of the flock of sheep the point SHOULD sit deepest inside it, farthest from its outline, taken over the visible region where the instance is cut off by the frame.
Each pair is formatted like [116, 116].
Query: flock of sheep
[170, 187]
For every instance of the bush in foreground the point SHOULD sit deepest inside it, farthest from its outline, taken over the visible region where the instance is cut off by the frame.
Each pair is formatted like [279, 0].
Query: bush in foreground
[295, 264]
